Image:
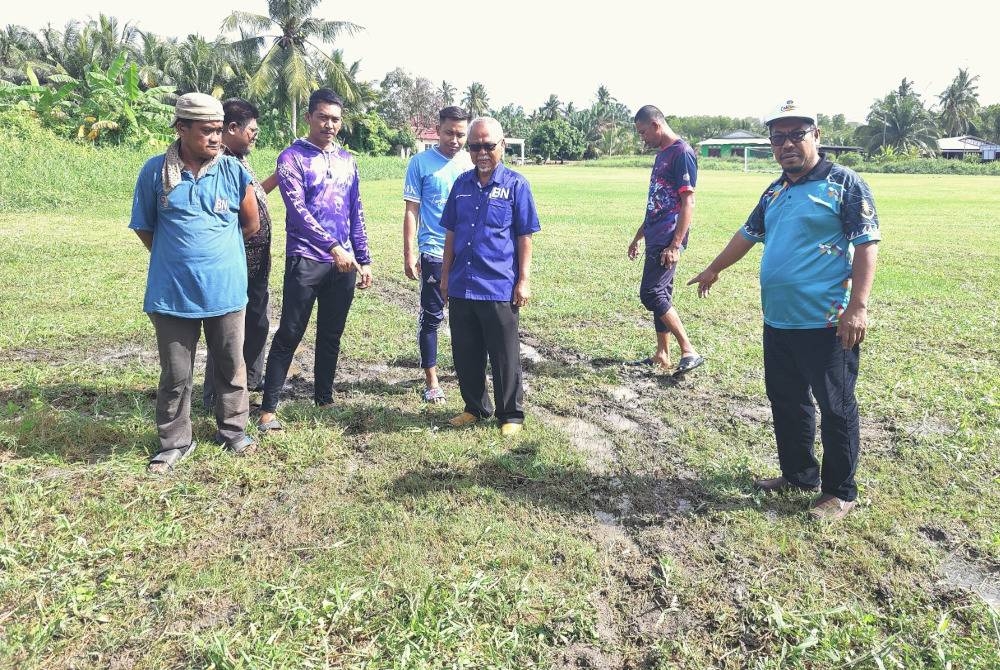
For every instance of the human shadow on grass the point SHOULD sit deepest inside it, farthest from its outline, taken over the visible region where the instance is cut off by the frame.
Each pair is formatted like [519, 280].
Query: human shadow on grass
[638, 500]
[79, 422]
[368, 418]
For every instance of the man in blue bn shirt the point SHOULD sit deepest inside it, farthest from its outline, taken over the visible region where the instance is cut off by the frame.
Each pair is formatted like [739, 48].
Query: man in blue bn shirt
[429, 178]
[820, 234]
[193, 208]
[490, 217]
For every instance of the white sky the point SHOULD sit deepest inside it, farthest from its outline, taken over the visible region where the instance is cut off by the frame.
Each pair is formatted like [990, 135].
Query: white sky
[705, 57]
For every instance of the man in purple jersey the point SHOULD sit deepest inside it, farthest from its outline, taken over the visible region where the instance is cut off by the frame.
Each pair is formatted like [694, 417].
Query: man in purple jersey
[669, 210]
[326, 251]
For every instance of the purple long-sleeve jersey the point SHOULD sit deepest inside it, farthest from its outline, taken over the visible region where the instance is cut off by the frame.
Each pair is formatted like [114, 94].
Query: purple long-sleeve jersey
[322, 202]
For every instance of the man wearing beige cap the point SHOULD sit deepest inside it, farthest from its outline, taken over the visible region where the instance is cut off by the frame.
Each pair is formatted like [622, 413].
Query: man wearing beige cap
[192, 209]
[820, 234]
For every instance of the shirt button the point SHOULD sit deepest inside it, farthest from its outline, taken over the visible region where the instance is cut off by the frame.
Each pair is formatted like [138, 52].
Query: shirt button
[473, 225]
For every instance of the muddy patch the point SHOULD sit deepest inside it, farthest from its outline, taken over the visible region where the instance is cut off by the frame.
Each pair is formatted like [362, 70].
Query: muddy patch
[961, 573]
[585, 437]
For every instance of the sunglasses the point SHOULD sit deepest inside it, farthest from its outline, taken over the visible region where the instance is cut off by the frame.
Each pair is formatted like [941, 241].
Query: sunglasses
[476, 147]
[778, 139]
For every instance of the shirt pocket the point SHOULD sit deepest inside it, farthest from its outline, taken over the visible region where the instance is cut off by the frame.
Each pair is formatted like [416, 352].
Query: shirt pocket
[499, 213]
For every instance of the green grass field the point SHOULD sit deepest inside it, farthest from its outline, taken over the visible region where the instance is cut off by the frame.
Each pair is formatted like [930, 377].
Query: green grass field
[618, 531]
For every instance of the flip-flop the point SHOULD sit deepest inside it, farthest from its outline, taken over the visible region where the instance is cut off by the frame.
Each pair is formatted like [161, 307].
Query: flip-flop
[687, 364]
[239, 447]
[165, 461]
[270, 426]
[434, 395]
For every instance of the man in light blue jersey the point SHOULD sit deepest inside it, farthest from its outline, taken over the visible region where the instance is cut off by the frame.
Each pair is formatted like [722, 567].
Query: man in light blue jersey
[821, 235]
[429, 179]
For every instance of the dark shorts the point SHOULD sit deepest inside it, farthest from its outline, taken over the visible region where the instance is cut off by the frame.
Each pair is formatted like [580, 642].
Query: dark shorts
[657, 288]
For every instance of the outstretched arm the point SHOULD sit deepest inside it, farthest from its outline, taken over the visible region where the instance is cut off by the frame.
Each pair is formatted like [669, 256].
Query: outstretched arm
[736, 249]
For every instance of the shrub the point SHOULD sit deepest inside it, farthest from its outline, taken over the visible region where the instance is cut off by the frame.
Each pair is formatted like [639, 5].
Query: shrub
[850, 159]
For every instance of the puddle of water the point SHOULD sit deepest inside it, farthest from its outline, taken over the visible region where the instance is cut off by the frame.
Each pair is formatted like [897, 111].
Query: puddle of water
[964, 574]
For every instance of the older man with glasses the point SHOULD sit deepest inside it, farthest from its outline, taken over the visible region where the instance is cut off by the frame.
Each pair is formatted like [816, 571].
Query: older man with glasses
[489, 220]
[820, 234]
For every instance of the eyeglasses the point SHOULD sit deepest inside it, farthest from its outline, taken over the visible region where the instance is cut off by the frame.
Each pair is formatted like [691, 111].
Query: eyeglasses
[778, 139]
[476, 147]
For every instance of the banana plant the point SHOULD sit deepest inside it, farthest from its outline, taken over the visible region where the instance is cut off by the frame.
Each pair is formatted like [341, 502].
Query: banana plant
[121, 110]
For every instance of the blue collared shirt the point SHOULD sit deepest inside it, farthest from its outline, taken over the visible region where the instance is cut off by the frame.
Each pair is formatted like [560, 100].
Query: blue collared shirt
[486, 222]
[197, 266]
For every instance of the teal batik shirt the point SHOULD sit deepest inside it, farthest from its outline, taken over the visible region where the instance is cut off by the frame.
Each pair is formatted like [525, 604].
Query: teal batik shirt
[810, 229]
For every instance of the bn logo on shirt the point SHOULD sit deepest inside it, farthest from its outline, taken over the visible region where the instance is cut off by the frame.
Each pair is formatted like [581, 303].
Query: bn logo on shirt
[498, 192]
[221, 205]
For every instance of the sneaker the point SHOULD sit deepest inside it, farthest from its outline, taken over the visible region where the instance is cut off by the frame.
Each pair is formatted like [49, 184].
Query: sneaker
[777, 484]
[829, 507]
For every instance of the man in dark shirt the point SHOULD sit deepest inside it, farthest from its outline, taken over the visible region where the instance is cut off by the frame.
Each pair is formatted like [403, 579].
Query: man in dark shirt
[239, 134]
[669, 210]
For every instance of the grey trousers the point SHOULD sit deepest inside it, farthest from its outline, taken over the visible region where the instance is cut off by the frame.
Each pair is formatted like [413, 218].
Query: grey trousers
[177, 341]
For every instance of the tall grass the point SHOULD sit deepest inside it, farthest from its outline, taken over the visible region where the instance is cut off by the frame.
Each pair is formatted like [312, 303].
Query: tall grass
[40, 172]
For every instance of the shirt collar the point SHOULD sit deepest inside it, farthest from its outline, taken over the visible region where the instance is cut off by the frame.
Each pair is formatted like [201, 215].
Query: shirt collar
[819, 171]
[496, 177]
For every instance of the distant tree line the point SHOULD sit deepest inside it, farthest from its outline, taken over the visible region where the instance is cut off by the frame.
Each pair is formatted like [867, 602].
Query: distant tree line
[105, 81]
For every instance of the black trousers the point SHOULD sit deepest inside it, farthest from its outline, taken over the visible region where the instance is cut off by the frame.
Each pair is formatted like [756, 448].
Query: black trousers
[308, 282]
[795, 363]
[258, 326]
[481, 329]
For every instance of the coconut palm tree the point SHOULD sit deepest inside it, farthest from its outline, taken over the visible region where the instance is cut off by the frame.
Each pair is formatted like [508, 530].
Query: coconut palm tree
[447, 93]
[110, 37]
[292, 37]
[157, 58]
[67, 51]
[202, 66]
[901, 122]
[958, 104]
[333, 72]
[476, 101]
[551, 109]
[19, 51]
